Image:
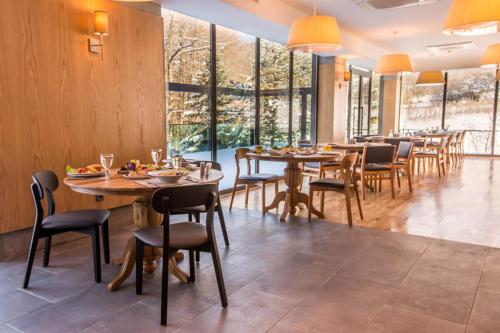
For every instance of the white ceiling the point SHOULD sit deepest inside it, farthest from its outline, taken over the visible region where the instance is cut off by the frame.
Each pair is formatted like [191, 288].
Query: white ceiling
[367, 34]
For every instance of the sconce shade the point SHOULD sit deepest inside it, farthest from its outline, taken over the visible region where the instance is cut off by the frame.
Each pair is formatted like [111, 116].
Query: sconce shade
[430, 78]
[491, 58]
[473, 17]
[392, 64]
[315, 34]
[101, 23]
[347, 76]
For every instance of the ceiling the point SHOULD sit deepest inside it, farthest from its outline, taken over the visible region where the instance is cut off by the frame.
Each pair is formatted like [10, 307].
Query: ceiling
[367, 34]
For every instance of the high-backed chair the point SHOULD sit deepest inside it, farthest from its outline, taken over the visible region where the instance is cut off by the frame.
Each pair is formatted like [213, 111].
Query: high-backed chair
[438, 155]
[251, 178]
[188, 236]
[346, 184]
[197, 210]
[403, 162]
[376, 166]
[86, 221]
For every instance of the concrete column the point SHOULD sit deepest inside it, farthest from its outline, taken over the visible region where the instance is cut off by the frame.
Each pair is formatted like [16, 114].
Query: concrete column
[389, 101]
[332, 97]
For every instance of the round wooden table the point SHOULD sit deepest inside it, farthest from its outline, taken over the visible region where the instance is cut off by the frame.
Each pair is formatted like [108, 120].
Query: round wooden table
[293, 179]
[355, 147]
[143, 214]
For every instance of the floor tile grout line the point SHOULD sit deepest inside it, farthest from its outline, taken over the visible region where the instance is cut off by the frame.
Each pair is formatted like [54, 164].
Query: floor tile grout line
[477, 290]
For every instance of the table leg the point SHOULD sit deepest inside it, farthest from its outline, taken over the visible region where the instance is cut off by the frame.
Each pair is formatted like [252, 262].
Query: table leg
[144, 217]
[292, 196]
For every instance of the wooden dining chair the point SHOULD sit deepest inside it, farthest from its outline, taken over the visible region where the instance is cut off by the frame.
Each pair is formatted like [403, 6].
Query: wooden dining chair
[438, 155]
[197, 210]
[188, 236]
[403, 162]
[346, 184]
[85, 221]
[376, 166]
[251, 179]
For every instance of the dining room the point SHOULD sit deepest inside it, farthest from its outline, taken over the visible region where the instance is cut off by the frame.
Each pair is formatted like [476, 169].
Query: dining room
[295, 166]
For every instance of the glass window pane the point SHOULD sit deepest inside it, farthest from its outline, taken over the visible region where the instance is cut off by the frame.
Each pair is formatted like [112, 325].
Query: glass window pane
[235, 97]
[421, 106]
[302, 83]
[470, 99]
[187, 62]
[374, 107]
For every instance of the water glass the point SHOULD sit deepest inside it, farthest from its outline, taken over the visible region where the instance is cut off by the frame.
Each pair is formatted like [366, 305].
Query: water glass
[156, 156]
[177, 161]
[106, 162]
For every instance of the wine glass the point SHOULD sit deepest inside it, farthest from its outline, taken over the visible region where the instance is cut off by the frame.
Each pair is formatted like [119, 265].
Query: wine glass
[106, 162]
[156, 156]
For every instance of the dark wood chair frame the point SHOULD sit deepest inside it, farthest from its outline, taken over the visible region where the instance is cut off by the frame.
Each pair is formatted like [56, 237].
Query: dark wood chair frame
[241, 153]
[349, 177]
[164, 201]
[403, 162]
[377, 176]
[47, 180]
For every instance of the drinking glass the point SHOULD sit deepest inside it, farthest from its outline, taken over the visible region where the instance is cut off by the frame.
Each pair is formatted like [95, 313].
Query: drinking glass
[156, 156]
[106, 162]
[177, 161]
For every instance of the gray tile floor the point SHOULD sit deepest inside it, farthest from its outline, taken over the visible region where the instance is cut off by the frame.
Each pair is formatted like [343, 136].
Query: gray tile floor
[280, 277]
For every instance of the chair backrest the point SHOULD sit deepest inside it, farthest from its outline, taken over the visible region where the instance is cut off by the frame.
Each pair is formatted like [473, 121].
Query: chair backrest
[405, 150]
[46, 182]
[393, 141]
[305, 144]
[240, 154]
[348, 166]
[378, 154]
[166, 200]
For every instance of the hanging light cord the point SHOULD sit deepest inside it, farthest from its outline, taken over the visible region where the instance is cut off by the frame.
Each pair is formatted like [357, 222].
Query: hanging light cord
[314, 6]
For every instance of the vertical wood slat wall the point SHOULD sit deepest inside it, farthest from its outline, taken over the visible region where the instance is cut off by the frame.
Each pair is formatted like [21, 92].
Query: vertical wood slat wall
[60, 104]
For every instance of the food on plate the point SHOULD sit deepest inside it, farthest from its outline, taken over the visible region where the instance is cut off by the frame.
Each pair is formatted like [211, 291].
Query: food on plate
[135, 168]
[171, 173]
[90, 169]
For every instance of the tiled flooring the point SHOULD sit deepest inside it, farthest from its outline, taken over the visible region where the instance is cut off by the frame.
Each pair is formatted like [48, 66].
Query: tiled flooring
[280, 277]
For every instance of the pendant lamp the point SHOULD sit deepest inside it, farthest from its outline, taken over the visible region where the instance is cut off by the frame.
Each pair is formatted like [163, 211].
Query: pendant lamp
[430, 78]
[392, 64]
[473, 17]
[491, 58]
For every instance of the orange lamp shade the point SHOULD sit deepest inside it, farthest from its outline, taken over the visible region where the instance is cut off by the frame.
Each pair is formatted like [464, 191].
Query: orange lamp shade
[315, 34]
[430, 78]
[473, 17]
[394, 63]
[347, 76]
[101, 23]
[491, 58]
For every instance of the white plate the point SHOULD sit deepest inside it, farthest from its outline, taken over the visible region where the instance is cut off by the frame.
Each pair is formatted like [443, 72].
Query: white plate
[86, 175]
[165, 179]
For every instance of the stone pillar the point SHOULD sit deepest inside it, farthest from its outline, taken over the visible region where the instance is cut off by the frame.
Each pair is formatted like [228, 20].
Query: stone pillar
[389, 102]
[332, 96]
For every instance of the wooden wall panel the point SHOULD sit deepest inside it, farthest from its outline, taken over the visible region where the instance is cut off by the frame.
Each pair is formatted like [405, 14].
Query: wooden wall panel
[60, 104]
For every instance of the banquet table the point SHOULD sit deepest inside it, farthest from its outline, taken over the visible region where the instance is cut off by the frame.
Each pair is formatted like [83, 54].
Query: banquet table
[293, 179]
[144, 215]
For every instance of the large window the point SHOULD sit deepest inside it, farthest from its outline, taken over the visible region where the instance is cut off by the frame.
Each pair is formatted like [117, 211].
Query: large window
[421, 106]
[469, 106]
[215, 105]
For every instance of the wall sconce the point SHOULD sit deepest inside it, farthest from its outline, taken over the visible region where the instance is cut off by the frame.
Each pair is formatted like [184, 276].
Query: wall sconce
[346, 78]
[101, 30]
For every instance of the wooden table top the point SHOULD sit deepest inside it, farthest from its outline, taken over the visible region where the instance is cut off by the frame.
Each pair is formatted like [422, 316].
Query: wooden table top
[355, 146]
[296, 158]
[118, 185]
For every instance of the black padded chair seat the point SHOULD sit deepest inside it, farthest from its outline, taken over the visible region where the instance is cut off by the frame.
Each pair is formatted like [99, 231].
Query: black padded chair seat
[183, 235]
[315, 165]
[190, 210]
[77, 219]
[258, 176]
[377, 167]
[328, 182]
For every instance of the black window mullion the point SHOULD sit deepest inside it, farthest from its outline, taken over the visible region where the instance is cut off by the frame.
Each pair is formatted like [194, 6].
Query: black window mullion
[257, 97]
[445, 97]
[495, 114]
[213, 91]
[290, 97]
[369, 113]
[314, 99]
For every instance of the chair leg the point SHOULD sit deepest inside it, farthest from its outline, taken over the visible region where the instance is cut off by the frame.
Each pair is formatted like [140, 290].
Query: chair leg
[105, 241]
[392, 184]
[399, 180]
[97, 254]
[358, 201]
[309, 204]
[192, 274]
[263, 198]
[348, 205]
[164, 287]
[139, 259]
[232, 197]
[46, 251]
[322, 205]
[222, 222]
[247, 189]
[219, 275]
[197, 219]
[363, 190]
[190, 217]
[439, 167]
[31, 258]
[409, 175]
[276, 187]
